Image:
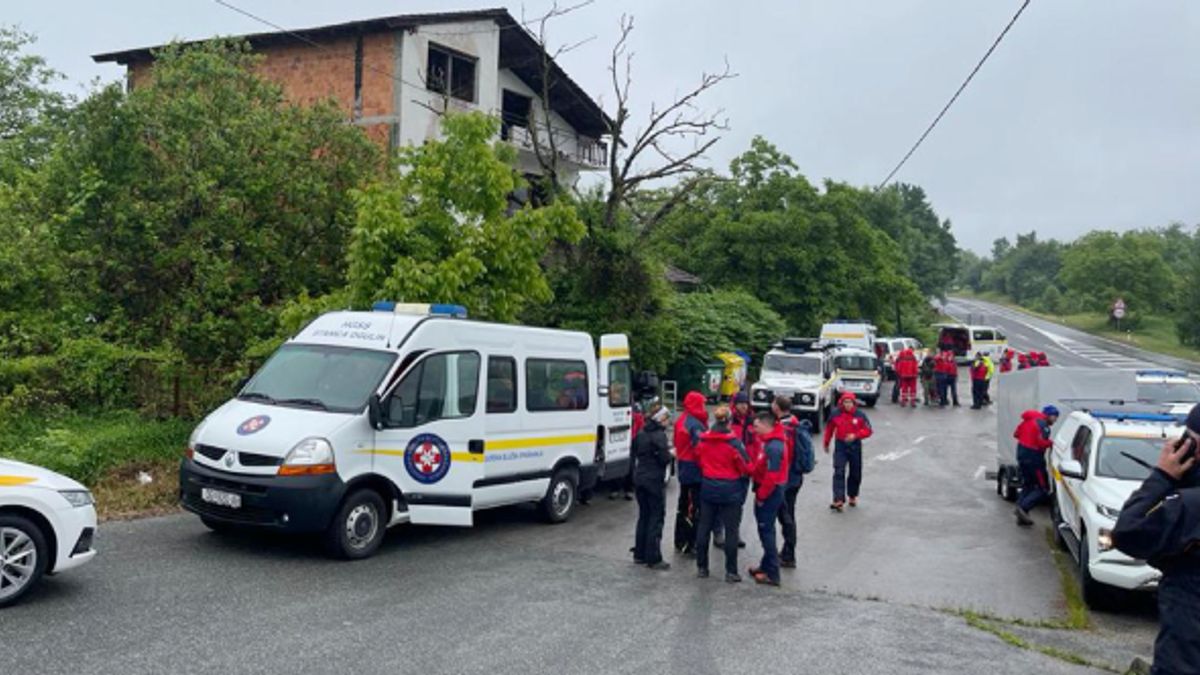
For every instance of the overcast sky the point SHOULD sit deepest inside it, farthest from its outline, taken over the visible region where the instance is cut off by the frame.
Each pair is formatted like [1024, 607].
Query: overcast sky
[1085, 117]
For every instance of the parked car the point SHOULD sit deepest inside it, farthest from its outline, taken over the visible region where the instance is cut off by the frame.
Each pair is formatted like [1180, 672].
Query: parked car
[802, 370]
[887, 348]
[47, 526]
[1172, 388]
[965, 340]
[856, 371]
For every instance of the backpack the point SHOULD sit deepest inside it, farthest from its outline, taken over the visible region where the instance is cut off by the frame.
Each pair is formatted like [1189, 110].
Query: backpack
[804, 460]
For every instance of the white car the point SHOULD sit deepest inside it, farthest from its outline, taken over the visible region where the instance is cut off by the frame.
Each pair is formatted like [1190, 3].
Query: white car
[857, 372]
[1172, 388]
[47, 525]
[1099, 459]
[799, 371]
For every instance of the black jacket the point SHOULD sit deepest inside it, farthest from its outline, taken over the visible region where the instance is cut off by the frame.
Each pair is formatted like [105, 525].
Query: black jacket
[651, 456]
[1161, 524]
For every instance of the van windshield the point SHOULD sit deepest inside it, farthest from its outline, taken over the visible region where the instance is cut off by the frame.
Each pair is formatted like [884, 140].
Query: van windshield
[855, 362]
[1169, 392]
[1115, 460]
[792, 365]
[338, 379]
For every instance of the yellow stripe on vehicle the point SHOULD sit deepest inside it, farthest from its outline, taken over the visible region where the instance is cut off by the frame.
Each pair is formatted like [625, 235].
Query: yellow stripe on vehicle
[1058, 478]
[843, 335]
[541, 442]
[454, 456]
[13, 481]
[613, 352]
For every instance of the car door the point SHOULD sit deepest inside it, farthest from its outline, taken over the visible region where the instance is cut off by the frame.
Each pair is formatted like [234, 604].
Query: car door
[616, 402]
[1079, 451]
[431, 445]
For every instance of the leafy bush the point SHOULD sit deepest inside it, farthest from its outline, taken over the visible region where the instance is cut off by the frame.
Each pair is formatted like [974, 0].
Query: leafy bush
[722, 321]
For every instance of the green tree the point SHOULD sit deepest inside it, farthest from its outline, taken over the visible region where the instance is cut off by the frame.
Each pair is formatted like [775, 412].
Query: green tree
[189, 207]
[1024, 270]
[721, 321]
[1102, 266]
[439, 229]
[29, 105]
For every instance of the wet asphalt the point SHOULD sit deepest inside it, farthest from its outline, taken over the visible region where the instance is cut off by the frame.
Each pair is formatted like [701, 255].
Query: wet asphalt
[878, 588]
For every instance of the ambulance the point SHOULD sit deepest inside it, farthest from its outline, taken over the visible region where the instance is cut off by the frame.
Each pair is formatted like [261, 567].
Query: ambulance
[411, 414]
[47, 526]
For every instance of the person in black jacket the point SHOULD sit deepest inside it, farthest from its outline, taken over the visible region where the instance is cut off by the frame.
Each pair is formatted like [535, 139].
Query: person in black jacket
[1161, 525]
[651, 456]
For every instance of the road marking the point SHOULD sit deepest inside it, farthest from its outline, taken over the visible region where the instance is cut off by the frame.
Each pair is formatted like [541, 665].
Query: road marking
[893, 456]
[920, 440]
[981, 471]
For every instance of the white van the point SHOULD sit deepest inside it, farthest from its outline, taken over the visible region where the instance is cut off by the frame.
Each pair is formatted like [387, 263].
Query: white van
[857, 333]
[856, 372]
[966, 340]
[47, 526]
[411, 414]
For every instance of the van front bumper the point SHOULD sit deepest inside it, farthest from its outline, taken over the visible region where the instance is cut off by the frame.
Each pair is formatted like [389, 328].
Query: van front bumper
[290, 503]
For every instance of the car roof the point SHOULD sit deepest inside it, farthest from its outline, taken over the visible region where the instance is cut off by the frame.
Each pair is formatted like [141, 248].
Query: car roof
[1133, 428]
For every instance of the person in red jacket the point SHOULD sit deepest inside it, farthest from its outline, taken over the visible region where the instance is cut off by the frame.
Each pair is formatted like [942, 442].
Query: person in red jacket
[1033, 439]
[770, 470]
[688, 428]
[948, 367]
[979, 382]
[723, 464]
[1043, 361]
[907, 370]
[849, 426]
[742, 425]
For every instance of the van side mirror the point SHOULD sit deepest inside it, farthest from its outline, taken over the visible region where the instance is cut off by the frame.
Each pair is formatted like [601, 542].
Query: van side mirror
[1070, 468]
[375, 413]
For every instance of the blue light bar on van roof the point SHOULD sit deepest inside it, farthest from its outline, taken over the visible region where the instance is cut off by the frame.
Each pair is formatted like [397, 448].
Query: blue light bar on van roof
[420, 309]
[1161, 373]
[1123, 416]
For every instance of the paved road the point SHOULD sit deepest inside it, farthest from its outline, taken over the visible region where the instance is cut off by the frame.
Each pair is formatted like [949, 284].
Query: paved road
[516, 596]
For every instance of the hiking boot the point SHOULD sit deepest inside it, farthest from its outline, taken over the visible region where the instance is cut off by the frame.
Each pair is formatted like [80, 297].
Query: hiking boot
[733, 578]
[854, 501]
[660, 565]
[762, 578]
[638, 561]
[837, 506]
[753, 571]
[788, 564]
[1023, 518]
[702, 573]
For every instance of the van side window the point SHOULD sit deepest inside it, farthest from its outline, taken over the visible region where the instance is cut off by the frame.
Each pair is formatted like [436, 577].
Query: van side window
[985, 335]
[620, 384]
[501, 385]
[1080, 447]
[443, 386]
[553, 384]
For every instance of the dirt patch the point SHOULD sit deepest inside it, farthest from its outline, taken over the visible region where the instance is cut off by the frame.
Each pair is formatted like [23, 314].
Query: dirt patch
[138, 490]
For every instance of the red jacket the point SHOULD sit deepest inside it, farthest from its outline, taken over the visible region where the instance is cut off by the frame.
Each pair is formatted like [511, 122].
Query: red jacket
[1006, 364]
[979, 370]
[770, 469]
[906, 364]
[946, 364]
[743, 428]
[689, 426]
[1033, 431]
[843, 423]
[638, 423]
[722, 456]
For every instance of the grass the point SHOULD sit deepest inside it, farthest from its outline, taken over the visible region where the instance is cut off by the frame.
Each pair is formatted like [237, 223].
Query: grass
[981, 623]
[106, 452]
[1154, 333]
[1077, 611]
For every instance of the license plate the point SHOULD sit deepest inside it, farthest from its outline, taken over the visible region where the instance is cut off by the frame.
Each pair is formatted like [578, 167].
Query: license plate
[221, 498]
[618, 436]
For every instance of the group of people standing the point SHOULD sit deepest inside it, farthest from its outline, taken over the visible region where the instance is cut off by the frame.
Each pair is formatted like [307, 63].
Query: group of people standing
[726, 458]
[937, 371]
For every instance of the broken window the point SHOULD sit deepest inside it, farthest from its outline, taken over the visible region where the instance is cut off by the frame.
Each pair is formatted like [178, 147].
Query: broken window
[450, 73]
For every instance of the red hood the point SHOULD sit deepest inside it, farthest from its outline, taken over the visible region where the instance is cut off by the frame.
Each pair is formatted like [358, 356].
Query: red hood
[847, 396]
[693, 404]
[1032, 415]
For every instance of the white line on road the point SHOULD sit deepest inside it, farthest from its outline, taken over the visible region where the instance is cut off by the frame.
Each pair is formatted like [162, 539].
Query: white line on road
[893, 456]
[920, 440]
[979, 473]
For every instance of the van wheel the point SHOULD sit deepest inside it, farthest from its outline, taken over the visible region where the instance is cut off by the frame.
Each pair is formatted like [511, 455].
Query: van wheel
[358, 528]
[559, 502]
[1095, 594]
[23, 553]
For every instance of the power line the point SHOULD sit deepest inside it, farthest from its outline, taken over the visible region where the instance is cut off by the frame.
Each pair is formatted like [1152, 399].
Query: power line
[955, 96]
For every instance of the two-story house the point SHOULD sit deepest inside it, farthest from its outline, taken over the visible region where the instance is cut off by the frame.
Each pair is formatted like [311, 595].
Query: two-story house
[396, 77]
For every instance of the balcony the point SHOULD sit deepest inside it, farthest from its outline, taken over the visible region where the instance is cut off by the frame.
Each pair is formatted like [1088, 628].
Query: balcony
[586, 153]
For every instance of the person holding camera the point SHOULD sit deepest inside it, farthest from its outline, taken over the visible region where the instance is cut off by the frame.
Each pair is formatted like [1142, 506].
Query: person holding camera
[1161, 525]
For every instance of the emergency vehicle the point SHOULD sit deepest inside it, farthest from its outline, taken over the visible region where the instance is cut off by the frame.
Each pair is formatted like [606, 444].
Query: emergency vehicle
[47, 525]
[850, 333]
[802, 370]
[1100, 457]
[966, 340]
[856, 371]
[411, 414]
[888, 348]
[1172, 388]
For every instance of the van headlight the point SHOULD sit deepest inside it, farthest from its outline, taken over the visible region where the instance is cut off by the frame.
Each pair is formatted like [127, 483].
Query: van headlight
[806, 399]
[1108, 511]
[310, 456]
[761, 394]
[1104, 540]
[77, 498]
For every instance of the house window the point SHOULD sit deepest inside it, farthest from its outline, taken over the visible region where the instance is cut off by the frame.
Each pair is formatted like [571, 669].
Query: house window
[450, 73]
[514, 112]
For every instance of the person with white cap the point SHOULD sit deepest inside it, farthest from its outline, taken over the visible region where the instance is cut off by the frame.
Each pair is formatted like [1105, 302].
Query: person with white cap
[652, 456]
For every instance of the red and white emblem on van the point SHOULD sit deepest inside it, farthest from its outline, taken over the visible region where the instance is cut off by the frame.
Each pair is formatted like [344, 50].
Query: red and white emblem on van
[427, 458]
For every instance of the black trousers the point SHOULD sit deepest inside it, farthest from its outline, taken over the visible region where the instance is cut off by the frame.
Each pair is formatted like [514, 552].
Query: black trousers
[787, 522]
[978, 393]
[686, 516]
[647, 539]
[729, 515]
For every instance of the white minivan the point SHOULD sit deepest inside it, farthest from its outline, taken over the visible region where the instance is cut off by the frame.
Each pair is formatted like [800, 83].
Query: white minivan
[411, 414]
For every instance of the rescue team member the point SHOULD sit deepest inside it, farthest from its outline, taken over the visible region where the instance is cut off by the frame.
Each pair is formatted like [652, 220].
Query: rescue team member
[991, 373]
[1043, 361]
[979, 381]
[1022, 361]
[849, 426]
[1006, 361]
[651, 457]
[929, 377]
[742, 425]
[723, 464]
[907, 372]
[1161, 524]
[798, 442]
[948, 383]
[688, 428]
[1033, 439]
[770, 471]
